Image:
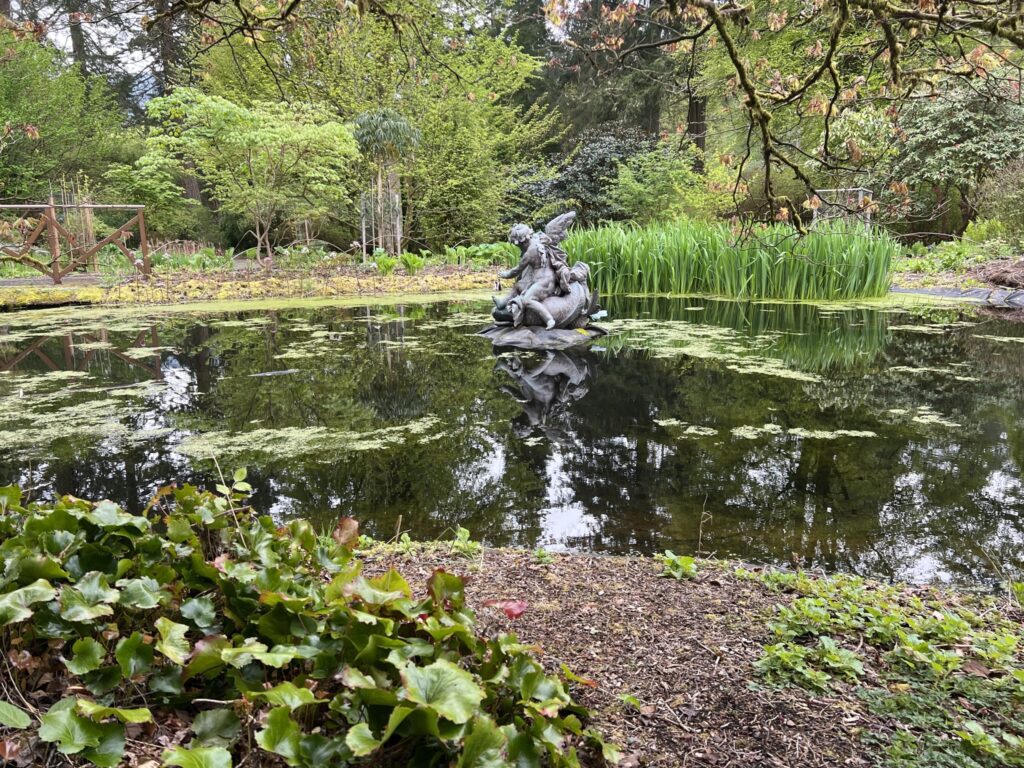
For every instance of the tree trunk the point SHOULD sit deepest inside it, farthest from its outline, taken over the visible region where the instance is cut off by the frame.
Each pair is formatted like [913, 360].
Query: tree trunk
[395, 203]
[696, 121]
[5, 8]
[77, 34]
[165, 45]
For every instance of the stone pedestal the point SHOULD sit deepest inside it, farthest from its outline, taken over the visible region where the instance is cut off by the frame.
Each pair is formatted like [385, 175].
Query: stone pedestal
[540, 338]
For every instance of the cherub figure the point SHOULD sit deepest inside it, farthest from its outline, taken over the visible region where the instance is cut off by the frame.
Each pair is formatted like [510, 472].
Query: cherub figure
[543, 271]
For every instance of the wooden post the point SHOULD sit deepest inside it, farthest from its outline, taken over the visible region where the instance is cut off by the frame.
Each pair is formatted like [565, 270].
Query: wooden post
[51, 228]
[147, 268]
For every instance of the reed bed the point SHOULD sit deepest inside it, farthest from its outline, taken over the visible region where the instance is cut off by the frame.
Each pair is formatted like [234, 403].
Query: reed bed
[832, 261]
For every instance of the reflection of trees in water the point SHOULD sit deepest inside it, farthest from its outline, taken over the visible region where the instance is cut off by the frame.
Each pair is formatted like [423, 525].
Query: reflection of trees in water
[808, 337]
[881, 505]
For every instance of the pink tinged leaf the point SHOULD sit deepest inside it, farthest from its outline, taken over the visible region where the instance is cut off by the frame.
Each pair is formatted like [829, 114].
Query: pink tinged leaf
[512, 608]
[346, 532]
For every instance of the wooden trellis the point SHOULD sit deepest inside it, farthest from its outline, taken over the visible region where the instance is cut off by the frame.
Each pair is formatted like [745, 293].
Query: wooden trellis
[79, 255]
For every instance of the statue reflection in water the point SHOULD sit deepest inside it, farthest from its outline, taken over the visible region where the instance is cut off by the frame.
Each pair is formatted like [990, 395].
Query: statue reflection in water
[548, 389]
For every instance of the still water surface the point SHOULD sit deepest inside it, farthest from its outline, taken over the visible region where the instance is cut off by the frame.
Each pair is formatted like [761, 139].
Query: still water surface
[881, 440]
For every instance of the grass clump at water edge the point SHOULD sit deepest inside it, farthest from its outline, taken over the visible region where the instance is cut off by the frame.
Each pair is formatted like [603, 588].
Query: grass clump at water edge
[229, 637]
[832, 261]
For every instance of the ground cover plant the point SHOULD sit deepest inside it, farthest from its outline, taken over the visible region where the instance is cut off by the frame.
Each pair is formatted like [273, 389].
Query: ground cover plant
[200, 634]
[833, 261]
[946, 676]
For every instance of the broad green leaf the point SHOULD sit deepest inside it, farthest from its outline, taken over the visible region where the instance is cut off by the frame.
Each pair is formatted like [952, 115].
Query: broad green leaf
[88, 655]
[482, 748]
[198, 757]
[172, 642]
[179, 529]
[286, 695]
[242, 655]
[110, 751]
[74, 606]
[96, 589]
[12, 716]
[445, 688]
[98, 712]
[14, 606]
[281, 736]
[102, 681]
[144, 594]
[360, 738]
[70, 731]
[207, 656]
[200, 611]
[106, 514]
[216, 727]
[10, 497]
[361, 741]
[253, 650]
[239, 475]
[134, 655]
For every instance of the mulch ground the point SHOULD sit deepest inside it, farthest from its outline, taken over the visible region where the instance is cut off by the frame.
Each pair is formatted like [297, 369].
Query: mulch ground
[683, 649]
[1004, 272]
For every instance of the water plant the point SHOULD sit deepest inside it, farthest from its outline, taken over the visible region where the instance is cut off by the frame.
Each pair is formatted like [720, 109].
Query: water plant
[832, 261]
[254, 631]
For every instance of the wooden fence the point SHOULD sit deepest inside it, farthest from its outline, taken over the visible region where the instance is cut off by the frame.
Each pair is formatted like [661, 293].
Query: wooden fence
[78, 254]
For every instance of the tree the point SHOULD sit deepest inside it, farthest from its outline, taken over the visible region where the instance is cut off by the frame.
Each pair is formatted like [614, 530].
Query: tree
[476, 141]
[54, 122]
[788, 69]
[670, 182]
[385, 138]
[272, 163]
[954, 143]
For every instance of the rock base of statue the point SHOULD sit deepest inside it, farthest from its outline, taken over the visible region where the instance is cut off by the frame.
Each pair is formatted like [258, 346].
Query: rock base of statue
[539, 337]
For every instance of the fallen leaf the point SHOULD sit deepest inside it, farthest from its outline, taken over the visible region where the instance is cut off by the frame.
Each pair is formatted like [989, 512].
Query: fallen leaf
[512, 608]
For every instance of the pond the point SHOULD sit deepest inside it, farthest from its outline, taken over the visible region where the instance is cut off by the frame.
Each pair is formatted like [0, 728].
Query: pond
[879, 439]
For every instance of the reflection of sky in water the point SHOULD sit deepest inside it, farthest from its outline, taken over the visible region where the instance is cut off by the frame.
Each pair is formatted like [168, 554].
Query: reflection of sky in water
[771, 433]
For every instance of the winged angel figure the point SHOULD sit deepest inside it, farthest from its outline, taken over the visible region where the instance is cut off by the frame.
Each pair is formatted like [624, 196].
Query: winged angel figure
[547, 291]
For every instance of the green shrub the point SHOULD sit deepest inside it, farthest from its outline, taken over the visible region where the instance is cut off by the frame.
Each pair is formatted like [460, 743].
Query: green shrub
[833, 261]
[385, 264]
[267, 636]
[482, 254]
[669, 182]
[411, 262]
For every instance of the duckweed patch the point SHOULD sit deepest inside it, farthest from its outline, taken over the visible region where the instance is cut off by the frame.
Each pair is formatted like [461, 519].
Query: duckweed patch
[293, 442]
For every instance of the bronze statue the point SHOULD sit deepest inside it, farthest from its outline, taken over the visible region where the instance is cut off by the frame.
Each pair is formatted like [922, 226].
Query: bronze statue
[548, 294]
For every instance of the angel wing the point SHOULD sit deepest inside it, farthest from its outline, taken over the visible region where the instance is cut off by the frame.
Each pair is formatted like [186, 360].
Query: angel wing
[558, 227]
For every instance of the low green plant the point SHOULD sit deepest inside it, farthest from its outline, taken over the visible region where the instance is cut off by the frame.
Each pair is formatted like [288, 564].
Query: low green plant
[677, 566]
[957, 256]
[385, 264]
[463, 545]
[267, 636]
[951, 671]
[411, 262]
[482, 254]
[542, 556]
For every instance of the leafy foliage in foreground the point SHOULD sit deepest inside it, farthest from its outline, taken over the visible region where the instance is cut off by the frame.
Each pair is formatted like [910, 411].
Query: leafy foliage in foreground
[269, 639]
[947, 674]
[833, 261]
[679, 567]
